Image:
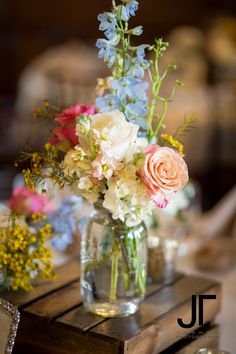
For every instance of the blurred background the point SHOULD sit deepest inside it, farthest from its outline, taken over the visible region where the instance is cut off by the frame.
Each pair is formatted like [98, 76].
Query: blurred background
[48, 51]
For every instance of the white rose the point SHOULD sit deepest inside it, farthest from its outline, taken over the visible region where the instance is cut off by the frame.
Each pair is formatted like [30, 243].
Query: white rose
[114, 134]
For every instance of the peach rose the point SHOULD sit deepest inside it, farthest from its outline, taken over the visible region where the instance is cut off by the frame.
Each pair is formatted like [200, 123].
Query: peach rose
[164, 171]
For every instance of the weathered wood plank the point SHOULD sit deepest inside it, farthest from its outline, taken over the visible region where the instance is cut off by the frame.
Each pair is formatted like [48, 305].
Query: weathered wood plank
[165, 331]
[156, 305]
[80, 320]
[205, 337]
[37, 337]
[56, 303]
[149, 331]
[66, 274]
[154, 287]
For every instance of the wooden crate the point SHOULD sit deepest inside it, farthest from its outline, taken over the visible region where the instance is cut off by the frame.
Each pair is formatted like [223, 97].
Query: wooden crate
[207, 336]
[53, 320]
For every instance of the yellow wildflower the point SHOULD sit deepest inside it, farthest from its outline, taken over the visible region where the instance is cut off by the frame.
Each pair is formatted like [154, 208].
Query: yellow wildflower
[24, 255]
[175, 143]
[51, 149]
[36, 163]
[36, 217]
[28, 179]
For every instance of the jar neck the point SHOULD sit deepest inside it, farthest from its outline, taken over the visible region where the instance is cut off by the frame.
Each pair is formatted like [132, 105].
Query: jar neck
[99, 208]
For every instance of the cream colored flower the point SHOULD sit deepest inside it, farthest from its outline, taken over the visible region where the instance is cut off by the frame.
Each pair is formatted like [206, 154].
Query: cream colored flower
[136, 153]
[104, 167]
[127, 199]
[69, 164]
[85, 183]
[88, 188]
[72, 164]
[114, 134]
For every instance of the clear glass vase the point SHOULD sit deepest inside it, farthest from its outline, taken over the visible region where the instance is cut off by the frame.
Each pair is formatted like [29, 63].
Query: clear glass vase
[114, 265]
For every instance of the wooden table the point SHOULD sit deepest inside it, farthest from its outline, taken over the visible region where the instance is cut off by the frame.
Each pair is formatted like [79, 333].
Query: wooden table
[53, 320]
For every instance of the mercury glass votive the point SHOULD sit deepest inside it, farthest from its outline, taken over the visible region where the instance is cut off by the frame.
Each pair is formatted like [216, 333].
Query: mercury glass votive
[211, 351]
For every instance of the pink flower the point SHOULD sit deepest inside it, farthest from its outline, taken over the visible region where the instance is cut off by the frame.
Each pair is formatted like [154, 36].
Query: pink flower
[164, 171]
[104, 167]
[27, 202]
[65, 132]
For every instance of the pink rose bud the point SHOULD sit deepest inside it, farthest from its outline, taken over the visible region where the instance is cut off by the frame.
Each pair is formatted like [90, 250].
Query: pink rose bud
[27, 202]
[65, 132]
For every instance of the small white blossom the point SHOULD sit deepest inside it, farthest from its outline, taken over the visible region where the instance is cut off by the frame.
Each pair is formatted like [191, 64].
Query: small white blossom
[127, 198]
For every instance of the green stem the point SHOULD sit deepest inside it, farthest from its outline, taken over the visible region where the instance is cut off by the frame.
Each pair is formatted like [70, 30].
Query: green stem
[140, 277]
[150, 118]
[126, 262]
[162, 117]
[125, 274]
[114, 271]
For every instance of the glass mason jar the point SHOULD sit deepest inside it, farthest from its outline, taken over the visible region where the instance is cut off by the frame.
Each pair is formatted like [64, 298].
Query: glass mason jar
[114, 265]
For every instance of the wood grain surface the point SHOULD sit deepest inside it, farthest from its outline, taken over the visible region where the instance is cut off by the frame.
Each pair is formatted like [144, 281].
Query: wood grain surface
[53, 320]
[65, 275]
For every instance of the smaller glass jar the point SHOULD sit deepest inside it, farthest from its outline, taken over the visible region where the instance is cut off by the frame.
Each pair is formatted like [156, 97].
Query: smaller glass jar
[114, 265]
[211, 351]
[162, 256]
[1, 278]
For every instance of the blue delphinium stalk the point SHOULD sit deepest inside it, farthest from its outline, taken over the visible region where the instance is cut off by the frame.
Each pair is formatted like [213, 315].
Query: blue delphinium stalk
[63, 222]
[108, 24]
[129, 10]
[127, 88]
[128, 91]
[108, 103]
[106, 52]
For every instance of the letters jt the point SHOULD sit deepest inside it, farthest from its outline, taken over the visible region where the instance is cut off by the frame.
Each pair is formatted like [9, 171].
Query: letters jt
[194, 311]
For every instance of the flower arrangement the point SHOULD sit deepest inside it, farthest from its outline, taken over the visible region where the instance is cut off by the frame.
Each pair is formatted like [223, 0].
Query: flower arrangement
[24, 255]
[117, 155]
[26, 234]
[112, 163]
[114, 153]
